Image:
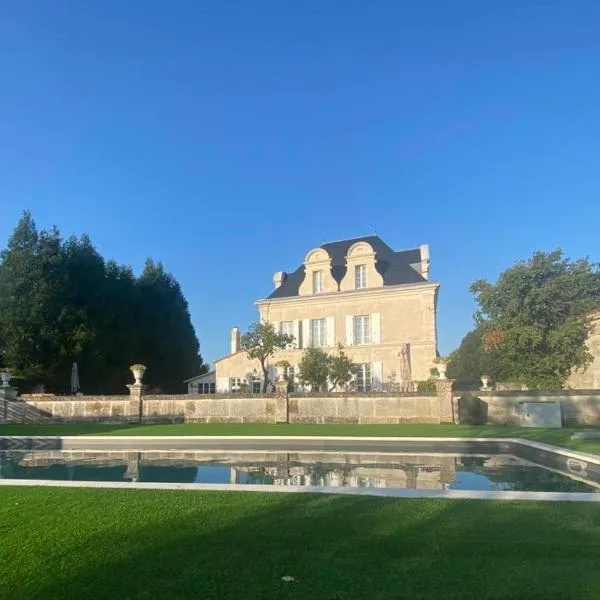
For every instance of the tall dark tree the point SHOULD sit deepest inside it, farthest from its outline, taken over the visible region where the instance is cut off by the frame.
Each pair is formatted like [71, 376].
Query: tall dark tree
[166, 341]
[22, 304]
[61, 302]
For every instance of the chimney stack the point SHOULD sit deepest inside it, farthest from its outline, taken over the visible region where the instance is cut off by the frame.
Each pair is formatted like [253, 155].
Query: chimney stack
[425, 260]
[278, 279]
[235, 340]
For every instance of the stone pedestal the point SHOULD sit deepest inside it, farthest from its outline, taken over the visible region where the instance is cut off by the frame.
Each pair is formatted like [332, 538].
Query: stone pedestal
[7, 394]
[136, 407]
[445, 392]
[281, 401]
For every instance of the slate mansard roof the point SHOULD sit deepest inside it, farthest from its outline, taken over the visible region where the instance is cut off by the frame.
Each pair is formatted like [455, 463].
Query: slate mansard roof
[394, 267]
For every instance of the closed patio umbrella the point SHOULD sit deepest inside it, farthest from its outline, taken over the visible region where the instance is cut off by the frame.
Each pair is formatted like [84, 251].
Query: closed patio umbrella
[74, 379]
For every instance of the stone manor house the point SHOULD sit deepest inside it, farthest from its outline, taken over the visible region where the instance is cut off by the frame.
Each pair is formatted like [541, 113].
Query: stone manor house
[377, 302]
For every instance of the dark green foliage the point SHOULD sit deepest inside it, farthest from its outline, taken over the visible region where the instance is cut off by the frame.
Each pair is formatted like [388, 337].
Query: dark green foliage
[61, 302]
[469, 362]
[533, 320]
[427, 386]
[314, 369]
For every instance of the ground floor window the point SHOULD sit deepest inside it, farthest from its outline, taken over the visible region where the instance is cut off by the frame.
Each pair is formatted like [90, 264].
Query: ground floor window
[363, 378]
[235, 384]
[256, 385]
[206, 388]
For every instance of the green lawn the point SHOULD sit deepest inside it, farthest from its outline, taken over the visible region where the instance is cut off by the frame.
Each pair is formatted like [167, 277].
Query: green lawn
[559, 437]
[127, 544]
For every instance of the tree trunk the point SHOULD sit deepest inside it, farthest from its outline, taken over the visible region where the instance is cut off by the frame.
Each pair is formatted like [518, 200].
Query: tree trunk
[265, 377]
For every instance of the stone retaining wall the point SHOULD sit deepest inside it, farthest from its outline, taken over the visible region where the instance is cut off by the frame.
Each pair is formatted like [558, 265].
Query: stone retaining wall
[380, 408]
[578, 407]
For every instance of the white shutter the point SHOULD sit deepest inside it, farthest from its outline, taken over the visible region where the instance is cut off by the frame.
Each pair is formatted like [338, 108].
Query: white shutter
[275, 326]
[306, 333]
[297, 334]
[376, 376]
[349, 330]
[375, 328]
[222, 385]
[330, 328]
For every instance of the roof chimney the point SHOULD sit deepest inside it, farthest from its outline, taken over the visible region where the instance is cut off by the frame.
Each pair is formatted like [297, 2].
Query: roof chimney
[278, 279]
[425, 260]
[235, 340]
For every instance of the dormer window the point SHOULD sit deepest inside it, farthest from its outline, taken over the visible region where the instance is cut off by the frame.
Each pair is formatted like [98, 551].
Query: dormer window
[360, 277]
[317, 281]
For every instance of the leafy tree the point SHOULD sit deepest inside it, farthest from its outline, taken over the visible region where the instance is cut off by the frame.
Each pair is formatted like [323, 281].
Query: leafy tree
[314, 369]
[260, 342]
[533, 320]
[341, 369]
[469, 362]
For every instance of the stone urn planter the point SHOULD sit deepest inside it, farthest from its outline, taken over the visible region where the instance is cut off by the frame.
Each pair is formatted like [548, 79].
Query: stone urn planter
[5, 376]
[138, 371]
[485, 380]
[282, 366]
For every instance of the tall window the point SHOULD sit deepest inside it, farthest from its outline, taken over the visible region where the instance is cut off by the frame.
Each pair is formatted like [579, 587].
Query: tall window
[256, 384]
[362, 329]
[317, 333]
[206, 388]
[287, 327]
[317, 277]
[363, 378]
[360, 276]
[235, 384]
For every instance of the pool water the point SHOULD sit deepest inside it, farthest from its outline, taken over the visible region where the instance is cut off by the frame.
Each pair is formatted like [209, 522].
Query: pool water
[328, 469]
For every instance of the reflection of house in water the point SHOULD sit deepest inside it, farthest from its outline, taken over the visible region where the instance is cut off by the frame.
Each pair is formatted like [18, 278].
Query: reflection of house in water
[274, 468]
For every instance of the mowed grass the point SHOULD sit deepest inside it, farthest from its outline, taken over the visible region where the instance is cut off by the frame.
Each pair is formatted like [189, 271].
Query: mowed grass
[559, 437]
[137, 544]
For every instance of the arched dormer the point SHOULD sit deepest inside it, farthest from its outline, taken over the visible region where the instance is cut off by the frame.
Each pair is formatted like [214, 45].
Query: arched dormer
[360, 268]
[317, 274]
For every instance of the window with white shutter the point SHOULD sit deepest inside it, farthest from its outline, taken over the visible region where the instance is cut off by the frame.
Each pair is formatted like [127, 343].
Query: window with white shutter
[376, 376]
[362, 329]
[376, 328]
[330, 327]
[363, 378]
[349, 330]
[318, 335]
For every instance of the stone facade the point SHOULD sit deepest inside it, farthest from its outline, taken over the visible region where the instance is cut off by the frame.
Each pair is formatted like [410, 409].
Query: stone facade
[392, 315]
[589, 379]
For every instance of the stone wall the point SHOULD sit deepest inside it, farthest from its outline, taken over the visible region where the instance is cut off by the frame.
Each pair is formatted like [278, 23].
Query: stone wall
[46, 408]
[578, 407]
[364, 408]
[234, 408]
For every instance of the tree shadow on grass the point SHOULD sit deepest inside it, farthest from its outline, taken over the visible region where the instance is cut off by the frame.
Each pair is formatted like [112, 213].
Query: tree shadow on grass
[228, 545]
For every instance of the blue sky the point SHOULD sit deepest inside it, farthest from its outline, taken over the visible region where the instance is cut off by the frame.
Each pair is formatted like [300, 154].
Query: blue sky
[227, 138]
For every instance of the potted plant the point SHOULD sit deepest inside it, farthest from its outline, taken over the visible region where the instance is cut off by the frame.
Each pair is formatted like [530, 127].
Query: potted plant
[282, 366]
[442, 365]
[138, 371]
[485, 380]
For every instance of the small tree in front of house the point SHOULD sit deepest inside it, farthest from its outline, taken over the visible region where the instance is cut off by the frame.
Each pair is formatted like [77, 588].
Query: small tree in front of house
[313, 369]
[341, 369]
[324, 371]
[260, 342]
